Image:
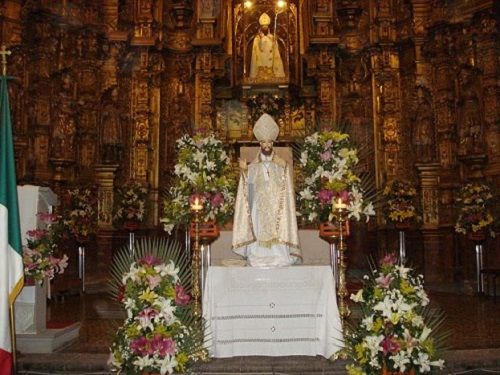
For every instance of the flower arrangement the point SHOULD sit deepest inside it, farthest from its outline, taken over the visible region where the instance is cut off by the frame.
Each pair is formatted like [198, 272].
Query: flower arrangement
[81, 219]
[396, 332]
[158, 334]
[474, 201]
[38, 255]
[401, 201]
[203, 171]
[130, 204]
[328, 162]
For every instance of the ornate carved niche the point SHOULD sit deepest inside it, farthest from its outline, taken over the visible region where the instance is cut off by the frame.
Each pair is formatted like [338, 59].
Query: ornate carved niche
[63, 119]
[110, 127]
[423, 129]
[265, 43]
[355, 98]
[470, 112]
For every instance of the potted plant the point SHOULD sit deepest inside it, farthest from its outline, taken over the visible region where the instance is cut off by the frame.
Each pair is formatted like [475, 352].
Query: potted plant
[401, 207]
[203, 172]
[328, 163]
[475, 218]
[397, 334]
[160, 334]
[129, 209]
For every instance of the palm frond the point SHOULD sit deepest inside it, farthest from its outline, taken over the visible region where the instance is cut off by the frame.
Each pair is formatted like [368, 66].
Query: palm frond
[159, 247]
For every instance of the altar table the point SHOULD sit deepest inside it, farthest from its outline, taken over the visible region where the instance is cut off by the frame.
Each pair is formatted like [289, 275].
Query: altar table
[271, 312]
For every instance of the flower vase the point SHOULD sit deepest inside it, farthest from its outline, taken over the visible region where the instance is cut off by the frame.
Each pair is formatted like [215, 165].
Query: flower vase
[131, 225]
[330, 230]
[476, 237]
[402, 225]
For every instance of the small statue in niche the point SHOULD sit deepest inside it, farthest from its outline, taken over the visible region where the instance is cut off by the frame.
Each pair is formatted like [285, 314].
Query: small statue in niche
[424, 127]
[111, 129]
[64, 124]
[266, 59]
[470, 129]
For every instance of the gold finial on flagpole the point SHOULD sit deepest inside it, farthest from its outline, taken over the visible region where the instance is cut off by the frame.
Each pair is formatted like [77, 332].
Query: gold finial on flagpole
[4, 52]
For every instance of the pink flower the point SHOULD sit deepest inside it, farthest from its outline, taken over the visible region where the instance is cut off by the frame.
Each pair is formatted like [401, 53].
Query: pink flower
[384, 281]
[181, 297]
[48, 218]
[328, 144]
[141, 346]
[326, 156]
[389, 260]
[153, 281]
[149, 260]
[389, 345]
[163, 345]
[37, 234]
[325, 196]
[217, 199]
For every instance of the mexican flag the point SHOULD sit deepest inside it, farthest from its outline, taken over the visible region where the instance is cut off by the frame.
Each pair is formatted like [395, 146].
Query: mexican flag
[11, 260]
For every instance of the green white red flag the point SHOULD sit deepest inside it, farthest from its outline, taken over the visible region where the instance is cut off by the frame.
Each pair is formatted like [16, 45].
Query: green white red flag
[11, 260]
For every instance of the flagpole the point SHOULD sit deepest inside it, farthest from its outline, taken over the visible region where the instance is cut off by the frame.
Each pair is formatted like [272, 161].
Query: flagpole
[13, 338]
[3, 55]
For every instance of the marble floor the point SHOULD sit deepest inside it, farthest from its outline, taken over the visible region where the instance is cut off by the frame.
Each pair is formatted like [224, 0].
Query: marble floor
[474, 343]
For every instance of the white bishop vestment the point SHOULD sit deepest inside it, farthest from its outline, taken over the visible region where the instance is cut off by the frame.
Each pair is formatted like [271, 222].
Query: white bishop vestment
[265, 223]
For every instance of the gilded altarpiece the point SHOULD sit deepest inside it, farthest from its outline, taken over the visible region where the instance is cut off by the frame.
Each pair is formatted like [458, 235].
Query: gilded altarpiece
[104, 89]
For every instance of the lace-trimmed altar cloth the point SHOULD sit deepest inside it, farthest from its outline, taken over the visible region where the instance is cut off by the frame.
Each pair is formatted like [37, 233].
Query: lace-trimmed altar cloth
[271, 312]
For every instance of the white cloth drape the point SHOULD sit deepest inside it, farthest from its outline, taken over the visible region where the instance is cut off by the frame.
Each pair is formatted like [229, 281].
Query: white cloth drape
[271, 312]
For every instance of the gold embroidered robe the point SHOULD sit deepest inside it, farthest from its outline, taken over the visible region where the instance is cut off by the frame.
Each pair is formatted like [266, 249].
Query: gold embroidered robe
[265, 223]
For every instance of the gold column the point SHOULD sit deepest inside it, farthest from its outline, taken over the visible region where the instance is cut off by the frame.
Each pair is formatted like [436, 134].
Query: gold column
[429, 184]
[105, 175]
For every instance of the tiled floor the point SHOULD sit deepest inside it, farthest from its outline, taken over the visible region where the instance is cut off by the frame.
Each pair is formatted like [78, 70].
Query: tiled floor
[474, 321]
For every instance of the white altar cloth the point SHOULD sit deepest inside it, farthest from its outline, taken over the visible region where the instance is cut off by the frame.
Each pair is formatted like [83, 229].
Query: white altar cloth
[271, 312]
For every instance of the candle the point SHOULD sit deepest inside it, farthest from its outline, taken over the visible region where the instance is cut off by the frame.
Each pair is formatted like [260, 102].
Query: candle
[196, 206]
[339, 205]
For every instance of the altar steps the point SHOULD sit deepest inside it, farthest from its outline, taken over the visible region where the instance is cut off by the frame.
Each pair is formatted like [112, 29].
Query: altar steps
[469, 361]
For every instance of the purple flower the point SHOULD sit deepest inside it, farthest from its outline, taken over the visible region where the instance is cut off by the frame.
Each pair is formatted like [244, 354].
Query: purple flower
[325, 196]
[217, 199]
[389, 345]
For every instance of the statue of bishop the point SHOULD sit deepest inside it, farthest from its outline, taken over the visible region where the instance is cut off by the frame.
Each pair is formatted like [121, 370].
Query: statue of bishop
[265, 223]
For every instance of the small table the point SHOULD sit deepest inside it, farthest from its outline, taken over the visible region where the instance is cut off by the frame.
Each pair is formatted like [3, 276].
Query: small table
[272, 312]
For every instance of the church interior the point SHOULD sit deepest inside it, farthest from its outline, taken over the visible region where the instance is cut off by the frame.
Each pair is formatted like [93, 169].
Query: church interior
[102, 91]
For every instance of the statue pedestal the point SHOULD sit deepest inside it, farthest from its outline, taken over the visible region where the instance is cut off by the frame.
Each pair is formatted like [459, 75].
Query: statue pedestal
[30, 309]
[32, 336]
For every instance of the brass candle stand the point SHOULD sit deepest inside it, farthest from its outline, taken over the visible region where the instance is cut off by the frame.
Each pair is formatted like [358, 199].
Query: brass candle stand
[196, 259]
[340, 214]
